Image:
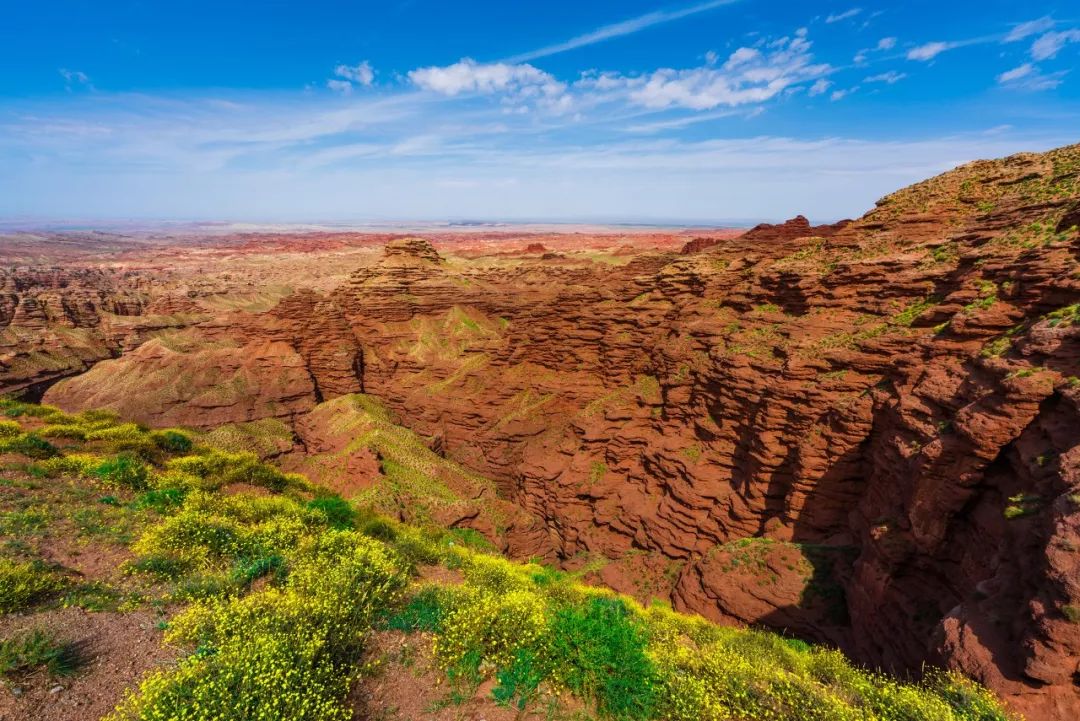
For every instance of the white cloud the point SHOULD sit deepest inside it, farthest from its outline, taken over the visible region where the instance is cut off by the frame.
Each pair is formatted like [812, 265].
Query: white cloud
[1029, 77]
[73, 78]
[361, 74]
[625, 27]
[521, 85]
[890, 77]
[819, 87]
[748, 76]
[1016, 73]
[882, 45]
[340, 86]
[1031, 27]
[843, 16]
[741, 57]
[929, 51]
[469, 76]
[841, 94]
[1050, 44]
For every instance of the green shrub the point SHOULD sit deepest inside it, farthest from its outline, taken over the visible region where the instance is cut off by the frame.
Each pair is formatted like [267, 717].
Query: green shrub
[24, 584]
[28, 652]
[423, 612]
[483, 626]
[519, 682]
[968, 701]
[247, 571]
[600, 653]
[161, 566]
[122, 471]
[30, 445]
[73, 463]
[379, 529]
[194, 536]
[337, 511]
[15, 409]
[217, 468]
[172, 440]
[162, 500]
[64, 430]
[278, 653]
[9, 429]
[92, 596]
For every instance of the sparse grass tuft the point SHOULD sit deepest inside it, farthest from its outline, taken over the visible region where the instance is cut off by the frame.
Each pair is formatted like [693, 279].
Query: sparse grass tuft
[38, 650]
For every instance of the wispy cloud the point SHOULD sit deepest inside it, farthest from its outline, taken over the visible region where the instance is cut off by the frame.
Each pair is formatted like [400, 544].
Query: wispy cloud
[1050, 44]
[339, 86]
[820, 86]
[362, 74]
[686, 121]
[75, 78]
[748, 76]
[619, 29]
[890, 78]
[1016, 73]
[1030, 77]
[345, 76]
[847, 14]
[1031, 27]
[929, 51]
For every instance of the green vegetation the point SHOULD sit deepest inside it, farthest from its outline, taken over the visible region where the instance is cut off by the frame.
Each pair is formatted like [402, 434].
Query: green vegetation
[24, 584]
[909, 315]
[275, 595]
[27, 652]
[1066, 316]
[1022, 504]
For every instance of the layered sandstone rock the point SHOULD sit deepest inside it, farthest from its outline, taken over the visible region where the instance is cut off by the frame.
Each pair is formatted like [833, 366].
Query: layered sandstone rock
[900, 390]
[893, 403]
[236, 368]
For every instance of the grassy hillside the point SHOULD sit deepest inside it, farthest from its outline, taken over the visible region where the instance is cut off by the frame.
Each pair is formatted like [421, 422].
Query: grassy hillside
[273, 590]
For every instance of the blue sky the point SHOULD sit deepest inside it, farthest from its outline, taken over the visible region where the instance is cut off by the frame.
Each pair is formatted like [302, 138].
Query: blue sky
[706, 111]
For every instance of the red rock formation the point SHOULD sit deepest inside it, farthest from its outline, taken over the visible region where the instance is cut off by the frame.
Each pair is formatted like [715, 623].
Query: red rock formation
[893, 401]
[797, 227]
[696, 245]
[887, 388]
[236, 368]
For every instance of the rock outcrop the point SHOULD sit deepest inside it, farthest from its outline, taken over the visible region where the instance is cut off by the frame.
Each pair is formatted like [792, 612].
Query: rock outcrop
[235, 368]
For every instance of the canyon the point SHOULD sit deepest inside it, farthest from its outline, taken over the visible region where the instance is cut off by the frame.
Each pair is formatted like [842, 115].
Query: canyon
[863, 434]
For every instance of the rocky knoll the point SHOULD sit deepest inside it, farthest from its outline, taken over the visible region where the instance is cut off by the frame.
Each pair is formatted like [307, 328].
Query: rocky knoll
[233, 368]
[864, 433]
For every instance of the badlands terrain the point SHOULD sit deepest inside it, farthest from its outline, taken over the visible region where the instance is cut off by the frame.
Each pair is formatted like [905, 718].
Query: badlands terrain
[862, 436]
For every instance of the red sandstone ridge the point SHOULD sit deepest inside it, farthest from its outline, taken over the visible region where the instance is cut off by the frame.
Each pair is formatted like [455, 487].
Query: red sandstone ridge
[797, 227]
[698, 244]
[863, 433]
[535, 248]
